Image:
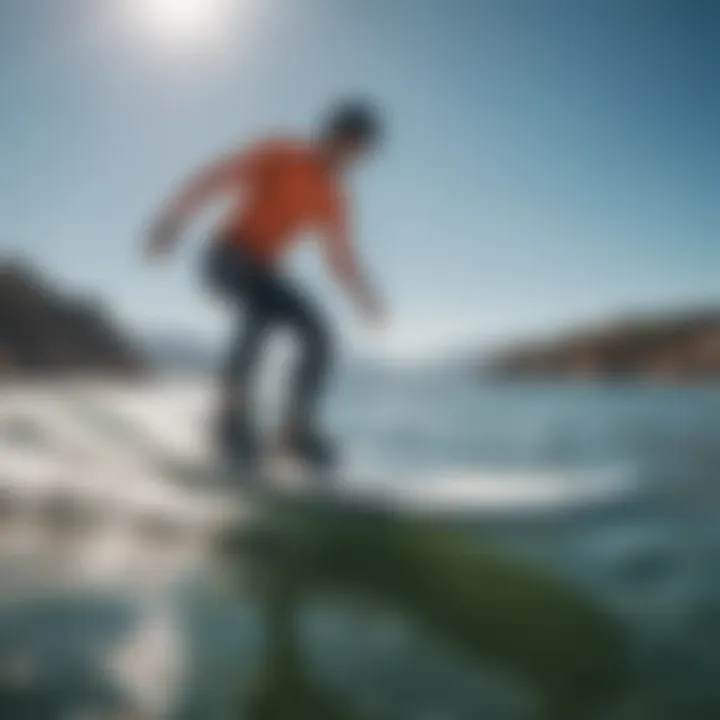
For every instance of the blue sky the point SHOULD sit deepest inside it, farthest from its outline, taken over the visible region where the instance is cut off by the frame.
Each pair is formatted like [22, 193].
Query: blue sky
[547, 161]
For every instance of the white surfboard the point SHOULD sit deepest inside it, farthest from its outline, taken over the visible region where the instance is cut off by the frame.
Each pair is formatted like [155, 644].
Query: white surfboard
[460, 492]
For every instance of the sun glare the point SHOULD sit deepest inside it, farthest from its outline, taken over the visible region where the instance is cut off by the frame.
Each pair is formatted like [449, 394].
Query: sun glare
[181, 21]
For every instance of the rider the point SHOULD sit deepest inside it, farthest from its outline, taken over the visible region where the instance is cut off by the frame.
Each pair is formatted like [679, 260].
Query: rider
[280, 187]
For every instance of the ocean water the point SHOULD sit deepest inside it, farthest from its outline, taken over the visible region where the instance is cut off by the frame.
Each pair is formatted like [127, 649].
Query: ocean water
[111, 616]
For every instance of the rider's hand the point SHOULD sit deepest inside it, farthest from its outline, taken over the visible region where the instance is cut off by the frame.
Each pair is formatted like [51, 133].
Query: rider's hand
[160, 240]
[374, 312]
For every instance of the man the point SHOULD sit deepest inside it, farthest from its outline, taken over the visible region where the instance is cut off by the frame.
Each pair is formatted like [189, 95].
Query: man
[280, 188]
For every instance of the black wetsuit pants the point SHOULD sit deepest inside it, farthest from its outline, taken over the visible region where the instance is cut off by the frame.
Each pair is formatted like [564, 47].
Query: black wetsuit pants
[266, 301]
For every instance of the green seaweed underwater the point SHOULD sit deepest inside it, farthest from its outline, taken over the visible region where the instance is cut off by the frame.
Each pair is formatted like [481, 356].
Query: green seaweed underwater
[488, 607]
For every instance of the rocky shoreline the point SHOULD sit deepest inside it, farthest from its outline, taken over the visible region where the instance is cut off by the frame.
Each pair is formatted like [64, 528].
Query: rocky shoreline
[679, 348]
[47, 331]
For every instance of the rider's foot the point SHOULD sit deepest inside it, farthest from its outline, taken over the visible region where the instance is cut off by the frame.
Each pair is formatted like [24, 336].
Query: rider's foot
[308, 446]
[236, 441]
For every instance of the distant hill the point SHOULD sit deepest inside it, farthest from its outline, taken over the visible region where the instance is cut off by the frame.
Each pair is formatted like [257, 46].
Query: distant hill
[681, 347]
[46, 330]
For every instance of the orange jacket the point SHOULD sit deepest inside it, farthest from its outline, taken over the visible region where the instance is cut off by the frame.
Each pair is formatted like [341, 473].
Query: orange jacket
[287, 190]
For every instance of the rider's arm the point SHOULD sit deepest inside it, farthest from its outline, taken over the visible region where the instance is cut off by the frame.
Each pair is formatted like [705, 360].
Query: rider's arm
[209, 183]
[345, 266]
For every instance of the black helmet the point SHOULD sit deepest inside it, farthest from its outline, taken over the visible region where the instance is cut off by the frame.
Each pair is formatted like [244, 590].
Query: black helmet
[355, 120]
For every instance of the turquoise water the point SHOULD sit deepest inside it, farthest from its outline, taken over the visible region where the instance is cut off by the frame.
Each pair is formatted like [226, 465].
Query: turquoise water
[451, 418]
[184, 632]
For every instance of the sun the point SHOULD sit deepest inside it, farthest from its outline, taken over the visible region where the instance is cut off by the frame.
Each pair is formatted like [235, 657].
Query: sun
[181, 21]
